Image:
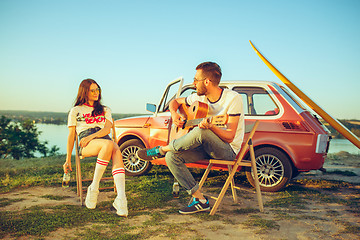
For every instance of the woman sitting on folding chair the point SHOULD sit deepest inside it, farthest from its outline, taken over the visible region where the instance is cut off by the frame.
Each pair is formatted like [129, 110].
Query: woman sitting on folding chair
[92, 121]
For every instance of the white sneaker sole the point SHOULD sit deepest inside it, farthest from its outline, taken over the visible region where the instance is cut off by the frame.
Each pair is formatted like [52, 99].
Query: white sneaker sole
[120, 213]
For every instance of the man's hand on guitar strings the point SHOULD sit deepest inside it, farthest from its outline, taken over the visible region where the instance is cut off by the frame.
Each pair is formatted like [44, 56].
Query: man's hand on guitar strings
[178, 120]
[205, 124]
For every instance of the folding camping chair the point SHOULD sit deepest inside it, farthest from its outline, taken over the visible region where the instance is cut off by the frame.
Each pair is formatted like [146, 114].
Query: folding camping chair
[79, 180]
[232, 167]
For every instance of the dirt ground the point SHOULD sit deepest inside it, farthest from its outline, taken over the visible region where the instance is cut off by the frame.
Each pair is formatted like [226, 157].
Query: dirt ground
[319, 220]
[314, 222]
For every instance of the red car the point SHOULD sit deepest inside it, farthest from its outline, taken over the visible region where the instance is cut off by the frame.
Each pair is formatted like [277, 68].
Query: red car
[288, 140]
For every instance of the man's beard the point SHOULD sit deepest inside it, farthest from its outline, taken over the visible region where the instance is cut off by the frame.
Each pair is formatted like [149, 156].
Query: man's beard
[201, 90]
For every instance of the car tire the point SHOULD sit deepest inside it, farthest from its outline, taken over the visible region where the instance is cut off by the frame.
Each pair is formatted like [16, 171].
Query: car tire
[273, 168]
[132, 164]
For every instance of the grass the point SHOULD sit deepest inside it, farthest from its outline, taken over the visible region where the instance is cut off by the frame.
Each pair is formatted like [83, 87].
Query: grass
[263, 225]
[30, 172]
[144, 193]
[38, 222]
[6, 201]
[151, 204]
[350, 227]
[245, 210]
[288, 200]
[323, 184]
[344, 158]
[54, 197]
[342, 173]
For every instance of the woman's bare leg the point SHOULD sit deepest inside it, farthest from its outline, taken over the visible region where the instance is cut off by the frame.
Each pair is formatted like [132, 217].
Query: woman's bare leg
[103, 149]
[117, 157]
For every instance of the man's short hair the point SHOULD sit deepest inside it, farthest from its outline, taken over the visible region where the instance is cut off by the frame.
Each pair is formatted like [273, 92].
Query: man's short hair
[210, 70]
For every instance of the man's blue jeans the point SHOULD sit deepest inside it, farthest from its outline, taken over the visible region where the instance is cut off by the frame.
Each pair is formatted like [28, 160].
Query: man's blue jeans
[196, 145]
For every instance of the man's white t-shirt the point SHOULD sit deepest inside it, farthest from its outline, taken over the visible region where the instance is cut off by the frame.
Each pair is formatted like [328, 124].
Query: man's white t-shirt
[230, 103]
[80, 116]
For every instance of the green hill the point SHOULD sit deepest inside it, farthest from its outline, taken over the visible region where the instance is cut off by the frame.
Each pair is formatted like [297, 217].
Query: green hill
[49, 117]
[352, 125]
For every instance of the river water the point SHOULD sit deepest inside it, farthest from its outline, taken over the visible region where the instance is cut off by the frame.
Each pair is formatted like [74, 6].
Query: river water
[57, 135]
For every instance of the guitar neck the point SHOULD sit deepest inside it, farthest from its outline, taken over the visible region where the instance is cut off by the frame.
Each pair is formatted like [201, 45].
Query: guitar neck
[217, 120]
[193, 122]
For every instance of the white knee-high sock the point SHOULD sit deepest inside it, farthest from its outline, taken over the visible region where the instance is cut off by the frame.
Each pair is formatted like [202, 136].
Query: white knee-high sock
[100, 168]
[119, 180]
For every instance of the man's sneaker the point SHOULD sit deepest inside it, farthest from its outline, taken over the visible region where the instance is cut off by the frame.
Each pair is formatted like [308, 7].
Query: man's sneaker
[91, 198]
[195, 206]
[120, 206]
[148, 154]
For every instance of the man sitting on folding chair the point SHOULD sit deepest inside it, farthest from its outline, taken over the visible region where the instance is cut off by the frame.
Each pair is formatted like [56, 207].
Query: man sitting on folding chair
[93, 121]
[205, 141]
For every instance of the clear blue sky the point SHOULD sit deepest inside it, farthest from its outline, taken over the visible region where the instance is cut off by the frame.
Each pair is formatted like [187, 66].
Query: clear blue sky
[134, 48]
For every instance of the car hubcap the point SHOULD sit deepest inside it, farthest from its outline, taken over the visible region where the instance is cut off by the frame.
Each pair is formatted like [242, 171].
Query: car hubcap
[131, 162]
[270, 170]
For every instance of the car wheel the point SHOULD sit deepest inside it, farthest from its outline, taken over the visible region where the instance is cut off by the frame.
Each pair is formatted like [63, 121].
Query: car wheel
[132, 164]
[273, 168]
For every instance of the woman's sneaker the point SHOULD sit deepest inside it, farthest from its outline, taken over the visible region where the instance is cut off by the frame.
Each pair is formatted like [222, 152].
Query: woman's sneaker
[195, 206]
[91, 198]
[148, 154]
[120, 206]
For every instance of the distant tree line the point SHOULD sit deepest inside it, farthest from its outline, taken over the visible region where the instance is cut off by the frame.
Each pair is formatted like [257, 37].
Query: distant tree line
[57, 118]
[21, 140]
[352, 125]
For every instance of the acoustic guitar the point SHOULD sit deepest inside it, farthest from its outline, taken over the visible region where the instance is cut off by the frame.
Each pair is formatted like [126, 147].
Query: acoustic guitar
[194, 114]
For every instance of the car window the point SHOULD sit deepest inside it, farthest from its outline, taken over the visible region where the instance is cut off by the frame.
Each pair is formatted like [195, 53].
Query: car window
[169, 95]
[186, 92]
[257, 101]
[293, 98]
[245, 103]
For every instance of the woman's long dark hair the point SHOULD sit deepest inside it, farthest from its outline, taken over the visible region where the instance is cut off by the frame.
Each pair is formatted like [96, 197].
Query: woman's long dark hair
[82, 97]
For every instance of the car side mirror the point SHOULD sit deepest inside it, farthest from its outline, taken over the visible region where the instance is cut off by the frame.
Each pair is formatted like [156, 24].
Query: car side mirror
[151, 107]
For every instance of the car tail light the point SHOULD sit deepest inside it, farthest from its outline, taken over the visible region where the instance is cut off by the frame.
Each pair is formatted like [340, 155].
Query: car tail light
[322, 144]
